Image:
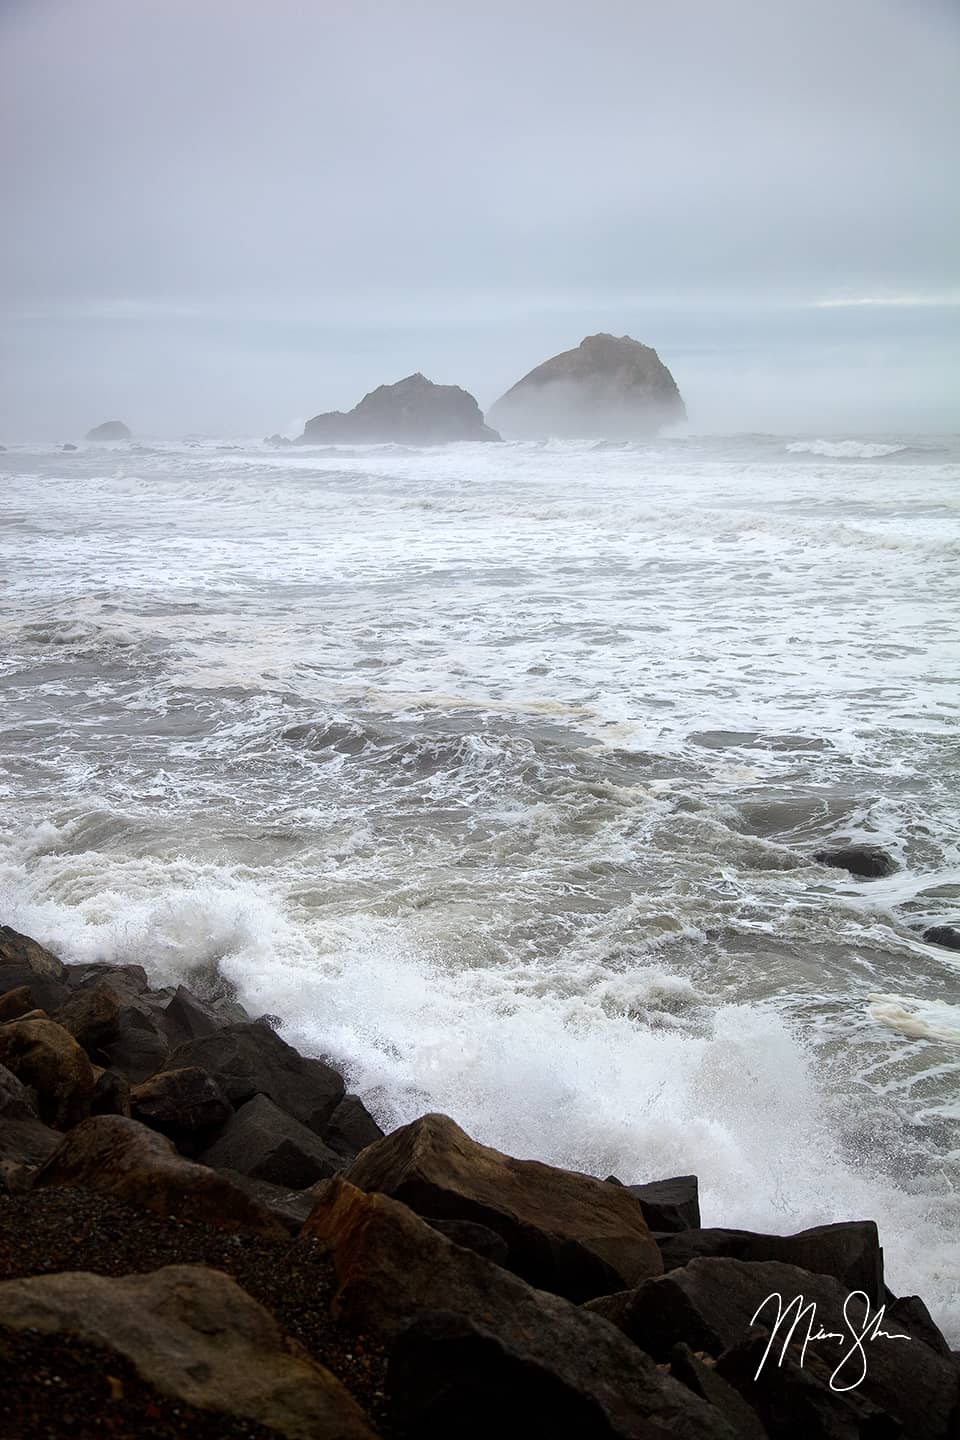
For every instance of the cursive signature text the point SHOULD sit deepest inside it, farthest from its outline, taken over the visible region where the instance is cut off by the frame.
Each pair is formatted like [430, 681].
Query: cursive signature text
[794, 1316]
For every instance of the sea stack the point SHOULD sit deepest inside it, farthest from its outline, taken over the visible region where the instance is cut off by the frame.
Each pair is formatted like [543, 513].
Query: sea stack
[414, 411]
[608, 388]
[110, 430]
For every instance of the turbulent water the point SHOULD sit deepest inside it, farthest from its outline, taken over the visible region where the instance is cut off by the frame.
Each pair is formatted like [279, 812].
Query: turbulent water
[496, 772]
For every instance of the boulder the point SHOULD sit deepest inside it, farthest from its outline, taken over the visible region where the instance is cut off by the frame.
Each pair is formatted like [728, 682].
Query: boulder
[265, 1143]
[24, 962]
[291, 1207]
[414, 411]
[565, 1232]
[68, 447]
[109, 430]
[867, 862]
[849, 1251]
[669, 1205]
[471, 1236]
[16, 1003]
[16, 1101]
[111, 1094]
[129, 980]
[249, 1059]
[187, 1018]
[351, 1128]
[121, 1157]
[46, 1057]
[185, 1105]
[24, 1141]
[194, 1334]
[92, 1016]
[710, 1305]
[607, 387]
[946, 935]
[704, 1381]
[141, 1045]
[473, 1346]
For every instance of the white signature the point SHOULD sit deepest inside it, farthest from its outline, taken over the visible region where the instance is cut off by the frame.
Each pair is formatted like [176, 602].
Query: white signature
[793, 1315]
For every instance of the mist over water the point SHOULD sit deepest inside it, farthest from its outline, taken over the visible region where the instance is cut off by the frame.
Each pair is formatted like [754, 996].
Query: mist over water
[496, 772]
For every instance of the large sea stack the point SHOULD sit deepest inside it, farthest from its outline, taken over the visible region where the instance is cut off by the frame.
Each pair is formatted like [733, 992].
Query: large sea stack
[110, 430]
[609, 388]
[414, 411]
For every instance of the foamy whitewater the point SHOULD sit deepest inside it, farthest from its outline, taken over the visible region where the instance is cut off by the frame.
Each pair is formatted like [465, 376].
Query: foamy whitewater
[496, 771]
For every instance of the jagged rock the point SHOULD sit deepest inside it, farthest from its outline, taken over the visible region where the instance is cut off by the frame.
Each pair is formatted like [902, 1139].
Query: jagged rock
[267, 1144]
[609, 387]
[478, 1238]
[277, 440]
[46, 1057]
[111, 1094]
[141, 1045]
[351, 1128]
[16, 1101]
[185, 1105]
[92, 1016]
[946, 935]
[498, 1347]
[414, 411]
[868, 862]
[122, 1157]
[24, 962]
[909, 1313]
[669, 1205]
[291, 1207]
[193, 1333]
[16, 1003]
[565, 1232]
[710, 1305]
[704, 1381]
[849, 1251]
[109, 430]
[128, 980]
[24, 1141]
[249, 1059]
[187, 1018]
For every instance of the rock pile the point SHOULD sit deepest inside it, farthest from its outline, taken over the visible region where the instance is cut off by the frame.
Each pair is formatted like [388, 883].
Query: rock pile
[196, 1221]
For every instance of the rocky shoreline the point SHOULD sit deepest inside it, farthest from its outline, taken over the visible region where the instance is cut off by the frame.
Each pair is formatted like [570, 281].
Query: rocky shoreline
[203, 1234]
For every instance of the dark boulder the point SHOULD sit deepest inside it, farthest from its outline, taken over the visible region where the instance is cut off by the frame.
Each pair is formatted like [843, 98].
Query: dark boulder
[250, 1059]
[110, 430]
[92, 1016]
[669, 1205]
[471, 1236]
[265, 1143]
[291, 1207]
[414, 411]
[123, 1158]
[498, 1344]
[946, 935]
[565, 1232]
[704, 1381]
[128, 980]
[25, 1141]
[18, 1002]
[111, 1094]
[48, 1060]
[607, 387]
[141, 1046]
[24, 962]
[68, 447]
[867, 862]
[849, 1251]
[185, 1105]
[187, 1018]
[351, 1128]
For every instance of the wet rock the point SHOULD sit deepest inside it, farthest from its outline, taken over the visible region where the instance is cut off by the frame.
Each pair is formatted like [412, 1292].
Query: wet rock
[110, 430]
[24, 962]
[141, 1045]
[24, 1141]
[909, 1313]
[669, 1205]
[471, 1236]
[16, 1003]
[46, 1058]
[351, 1128]
[127, 980]
[92, 1016]
[608, 386]
[291, 1207]
[868, 862]
[497, 1346]
[122, 1157]
[565, 1232]
[710, 1305]
[849, 1251]
[277, 440]
[194, 1334]
[187, 1018]
[267, 1144]
[414, 411]
[248, 1059]
[704, 1381]
[185, 1105]
[946, 935]
[111, 1094]
[16, 1101]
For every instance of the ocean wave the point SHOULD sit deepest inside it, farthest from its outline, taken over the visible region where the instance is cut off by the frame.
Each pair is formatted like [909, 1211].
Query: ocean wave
[845, 449]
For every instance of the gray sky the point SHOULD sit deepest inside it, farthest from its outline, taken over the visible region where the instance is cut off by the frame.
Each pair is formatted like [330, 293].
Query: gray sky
[225, 215]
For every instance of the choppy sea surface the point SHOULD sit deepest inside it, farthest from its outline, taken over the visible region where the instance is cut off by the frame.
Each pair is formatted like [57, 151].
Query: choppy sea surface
[496, 771]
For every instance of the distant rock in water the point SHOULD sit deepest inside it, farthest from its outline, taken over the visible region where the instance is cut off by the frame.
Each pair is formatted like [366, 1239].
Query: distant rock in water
[68, 447]
[414, 411]
[110, 430]
[276, 441]
[610, 388]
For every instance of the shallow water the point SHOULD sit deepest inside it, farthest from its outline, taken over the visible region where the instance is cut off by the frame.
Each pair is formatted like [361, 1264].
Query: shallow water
[496, 771]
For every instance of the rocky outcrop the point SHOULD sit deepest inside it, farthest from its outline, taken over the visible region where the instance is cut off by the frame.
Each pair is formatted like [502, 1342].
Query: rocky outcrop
[194, 1334]
[867, 862]
[265, 1143]
[565, 1232]
[110, 430]
[609, 388]
[414, 411]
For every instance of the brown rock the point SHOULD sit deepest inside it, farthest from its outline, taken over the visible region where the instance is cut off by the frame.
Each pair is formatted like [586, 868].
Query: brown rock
[111, 1094]
[193, 1334]
[122, 1157]
[48, 1059]
[16, 1003]
[186, 1105]
[92, 1016]
[265, 1143]
[20, 950]
[400, 1280]
[413, 411]
[351, 1128]
[565, 1232]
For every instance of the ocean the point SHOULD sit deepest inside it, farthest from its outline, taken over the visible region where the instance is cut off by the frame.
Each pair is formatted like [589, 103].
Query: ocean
[496, 772]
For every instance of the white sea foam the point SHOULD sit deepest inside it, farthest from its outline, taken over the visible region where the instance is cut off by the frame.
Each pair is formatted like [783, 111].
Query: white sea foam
[845, 449]
[919, 1019]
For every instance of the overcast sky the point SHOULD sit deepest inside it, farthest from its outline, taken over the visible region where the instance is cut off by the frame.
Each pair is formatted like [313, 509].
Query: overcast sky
[225, 215]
